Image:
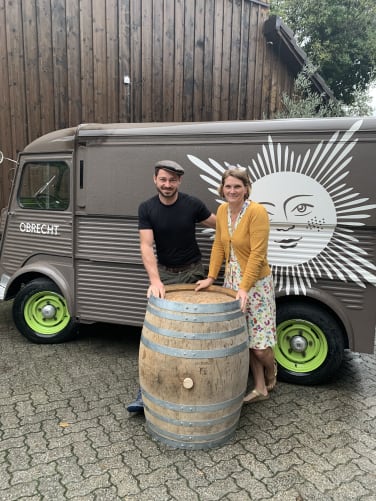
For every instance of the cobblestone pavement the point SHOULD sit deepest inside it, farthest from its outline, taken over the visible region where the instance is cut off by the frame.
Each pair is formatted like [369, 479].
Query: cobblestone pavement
[65, 433]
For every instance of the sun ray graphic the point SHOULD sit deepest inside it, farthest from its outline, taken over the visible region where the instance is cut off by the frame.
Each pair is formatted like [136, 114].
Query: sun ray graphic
[313, 213]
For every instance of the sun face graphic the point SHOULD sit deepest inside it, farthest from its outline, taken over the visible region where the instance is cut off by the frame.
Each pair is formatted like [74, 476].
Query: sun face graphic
[312, 211]
[302, 216]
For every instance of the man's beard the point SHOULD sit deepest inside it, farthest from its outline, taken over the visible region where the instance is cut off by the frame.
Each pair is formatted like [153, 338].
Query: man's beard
[167, 194]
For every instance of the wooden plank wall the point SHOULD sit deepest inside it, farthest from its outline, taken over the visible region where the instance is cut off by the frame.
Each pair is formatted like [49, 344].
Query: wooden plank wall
[63, 62]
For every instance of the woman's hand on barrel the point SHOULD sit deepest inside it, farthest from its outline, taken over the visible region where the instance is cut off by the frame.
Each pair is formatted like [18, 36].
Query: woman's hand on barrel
[242, 295]
[203, 284]
[156, 289]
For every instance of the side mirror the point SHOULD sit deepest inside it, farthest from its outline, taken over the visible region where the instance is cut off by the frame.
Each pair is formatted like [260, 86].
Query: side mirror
[2, 158]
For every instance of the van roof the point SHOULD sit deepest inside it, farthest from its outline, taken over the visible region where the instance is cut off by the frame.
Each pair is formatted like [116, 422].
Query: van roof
[63, 140]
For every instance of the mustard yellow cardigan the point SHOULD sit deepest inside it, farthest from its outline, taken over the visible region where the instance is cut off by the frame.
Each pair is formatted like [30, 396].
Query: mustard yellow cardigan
[249, 241]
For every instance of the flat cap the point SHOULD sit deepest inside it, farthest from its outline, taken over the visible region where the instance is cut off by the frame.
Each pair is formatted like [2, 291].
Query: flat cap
[170, 165]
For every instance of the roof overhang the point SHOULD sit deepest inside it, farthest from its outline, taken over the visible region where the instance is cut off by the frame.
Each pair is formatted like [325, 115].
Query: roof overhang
[284, 44]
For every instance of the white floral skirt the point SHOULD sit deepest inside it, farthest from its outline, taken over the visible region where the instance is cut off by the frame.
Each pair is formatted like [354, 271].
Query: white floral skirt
[261, 310]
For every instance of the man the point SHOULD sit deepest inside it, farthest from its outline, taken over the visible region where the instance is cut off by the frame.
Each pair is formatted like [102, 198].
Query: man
[169, 220]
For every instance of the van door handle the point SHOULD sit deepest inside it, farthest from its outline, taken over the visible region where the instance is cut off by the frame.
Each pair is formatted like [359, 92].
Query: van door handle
[81, 174]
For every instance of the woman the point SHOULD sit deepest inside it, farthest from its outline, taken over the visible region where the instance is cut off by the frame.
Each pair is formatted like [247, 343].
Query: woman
[242, 233]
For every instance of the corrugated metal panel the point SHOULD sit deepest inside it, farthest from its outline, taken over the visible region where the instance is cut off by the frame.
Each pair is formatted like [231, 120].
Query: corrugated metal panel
[117, 240]
[26, 237]
[114, 293]
[351, 297]
[111, 281]
[108, 239]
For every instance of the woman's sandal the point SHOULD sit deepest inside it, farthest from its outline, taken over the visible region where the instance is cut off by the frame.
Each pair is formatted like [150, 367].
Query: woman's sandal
[255, 396]
[270, 383]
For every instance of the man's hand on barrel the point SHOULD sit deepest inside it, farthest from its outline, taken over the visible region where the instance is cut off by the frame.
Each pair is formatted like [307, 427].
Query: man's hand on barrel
[203, 284]
[156, 289]
[242, 295]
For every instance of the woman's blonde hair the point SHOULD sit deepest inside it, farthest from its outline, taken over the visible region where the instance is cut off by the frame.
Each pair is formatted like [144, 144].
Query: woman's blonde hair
[238, 173]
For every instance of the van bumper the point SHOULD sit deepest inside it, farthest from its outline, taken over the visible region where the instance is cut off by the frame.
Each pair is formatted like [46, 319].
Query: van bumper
[4, 280]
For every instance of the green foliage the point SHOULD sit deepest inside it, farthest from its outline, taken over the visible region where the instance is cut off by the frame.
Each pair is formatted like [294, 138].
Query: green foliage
[360, 105]
[339, 37]
[305, 102]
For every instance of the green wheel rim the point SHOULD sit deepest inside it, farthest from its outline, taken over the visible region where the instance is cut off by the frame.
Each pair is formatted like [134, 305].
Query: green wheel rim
[316, 346]
[36, 317]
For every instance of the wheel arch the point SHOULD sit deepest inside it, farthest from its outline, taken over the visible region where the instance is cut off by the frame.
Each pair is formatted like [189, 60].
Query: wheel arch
[327, 303]
[33, 271]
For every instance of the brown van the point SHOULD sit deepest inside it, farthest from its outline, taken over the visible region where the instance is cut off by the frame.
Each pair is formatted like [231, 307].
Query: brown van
[70, 247]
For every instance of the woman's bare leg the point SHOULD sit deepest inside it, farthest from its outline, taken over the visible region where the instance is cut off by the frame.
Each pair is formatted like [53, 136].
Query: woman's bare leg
[261, 362]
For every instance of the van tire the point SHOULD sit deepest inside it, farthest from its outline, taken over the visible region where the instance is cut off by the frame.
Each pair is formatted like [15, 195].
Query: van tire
[310, 343]
[40, 313]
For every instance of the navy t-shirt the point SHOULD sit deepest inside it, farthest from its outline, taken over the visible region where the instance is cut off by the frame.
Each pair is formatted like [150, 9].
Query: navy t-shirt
[174, 228]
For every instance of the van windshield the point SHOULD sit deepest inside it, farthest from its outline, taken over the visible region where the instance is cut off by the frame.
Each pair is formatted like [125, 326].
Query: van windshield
[44, 186]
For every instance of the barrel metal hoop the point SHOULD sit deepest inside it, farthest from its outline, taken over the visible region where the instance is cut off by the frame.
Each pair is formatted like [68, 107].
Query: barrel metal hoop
[191, 441]
[201, 336]
[166, 304]
[188, 318]
[194, 408]
[196, 354]
[193, 423]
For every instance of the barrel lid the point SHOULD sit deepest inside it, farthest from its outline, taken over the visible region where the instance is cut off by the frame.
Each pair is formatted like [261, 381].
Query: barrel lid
[184, 298]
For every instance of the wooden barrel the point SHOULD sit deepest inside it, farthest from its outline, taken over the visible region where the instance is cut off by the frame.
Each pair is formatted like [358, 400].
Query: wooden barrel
[193, 364]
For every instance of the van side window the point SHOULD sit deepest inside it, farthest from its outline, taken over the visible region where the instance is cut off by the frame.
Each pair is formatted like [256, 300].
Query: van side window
[44, 186]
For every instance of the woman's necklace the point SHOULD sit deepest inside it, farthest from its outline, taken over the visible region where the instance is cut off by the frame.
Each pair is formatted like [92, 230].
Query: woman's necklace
[234, 216]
